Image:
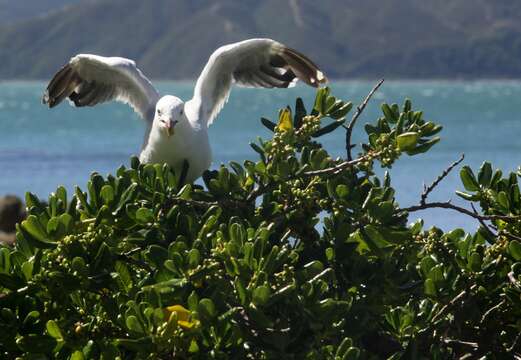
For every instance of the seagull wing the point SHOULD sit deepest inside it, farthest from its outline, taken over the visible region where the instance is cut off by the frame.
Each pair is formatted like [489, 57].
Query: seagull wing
[88, 80]
[251, 63]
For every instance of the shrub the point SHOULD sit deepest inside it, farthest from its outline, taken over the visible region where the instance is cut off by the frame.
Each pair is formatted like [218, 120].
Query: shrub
[294, 256]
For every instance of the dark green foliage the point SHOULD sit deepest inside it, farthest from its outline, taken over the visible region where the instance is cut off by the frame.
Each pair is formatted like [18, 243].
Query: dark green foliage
[295, 256]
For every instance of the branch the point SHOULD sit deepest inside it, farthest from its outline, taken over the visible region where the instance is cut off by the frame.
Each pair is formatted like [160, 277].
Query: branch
[513, 280]
[359, 109]
[482, 222]
[491, 310]
[515, 344]
[423, 205]
[510, 235]
[343, 165]
[428, 190]
[448, 205]
[263, 188]
[447, 307]
[462, 343]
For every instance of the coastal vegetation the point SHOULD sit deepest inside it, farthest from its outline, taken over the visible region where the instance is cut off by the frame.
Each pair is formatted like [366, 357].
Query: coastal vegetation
[293, 255]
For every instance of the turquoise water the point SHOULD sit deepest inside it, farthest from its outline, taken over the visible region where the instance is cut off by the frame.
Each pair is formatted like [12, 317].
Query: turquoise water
[41, 148]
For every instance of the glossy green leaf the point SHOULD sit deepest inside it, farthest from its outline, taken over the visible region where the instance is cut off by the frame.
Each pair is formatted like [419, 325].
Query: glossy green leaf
[54, 330]
[261, 295]
[407, 141]
[514, 248]
[468, 179]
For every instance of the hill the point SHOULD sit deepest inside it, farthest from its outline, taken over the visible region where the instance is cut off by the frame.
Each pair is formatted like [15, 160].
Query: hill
[348, 38]
[13, 11]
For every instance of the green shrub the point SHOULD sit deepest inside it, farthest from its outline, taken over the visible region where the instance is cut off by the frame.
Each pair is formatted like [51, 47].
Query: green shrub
[294, 256]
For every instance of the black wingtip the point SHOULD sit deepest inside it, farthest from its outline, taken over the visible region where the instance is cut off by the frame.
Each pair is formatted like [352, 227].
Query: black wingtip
[304, 68]
[60, 86]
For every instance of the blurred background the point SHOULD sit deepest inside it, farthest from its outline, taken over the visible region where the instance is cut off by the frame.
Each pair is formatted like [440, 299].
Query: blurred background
[458, 60]
[349, 38]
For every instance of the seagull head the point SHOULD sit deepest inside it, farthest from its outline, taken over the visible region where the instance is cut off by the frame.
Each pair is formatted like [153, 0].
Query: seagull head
[169, 112]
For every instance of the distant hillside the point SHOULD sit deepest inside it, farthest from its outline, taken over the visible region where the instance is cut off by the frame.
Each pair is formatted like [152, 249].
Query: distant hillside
[348, 38]
[12, 11]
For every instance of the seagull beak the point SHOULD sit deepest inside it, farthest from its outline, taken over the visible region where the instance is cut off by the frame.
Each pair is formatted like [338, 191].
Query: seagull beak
[169, 127]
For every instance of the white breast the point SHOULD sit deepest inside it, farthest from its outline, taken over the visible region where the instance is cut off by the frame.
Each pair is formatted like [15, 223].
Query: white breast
[187, 143]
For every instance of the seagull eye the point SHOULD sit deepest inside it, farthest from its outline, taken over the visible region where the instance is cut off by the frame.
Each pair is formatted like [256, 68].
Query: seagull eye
[158, 112]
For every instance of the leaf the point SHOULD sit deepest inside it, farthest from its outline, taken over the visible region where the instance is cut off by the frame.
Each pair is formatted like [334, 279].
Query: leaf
[194, 258]
[141, 345]
[514, 248]
[475, 262]
[156, 255]
[77, 355]
[343, 347]
[502, 199]
[33, 343]
[124, 275]
[420, 149]
[320, 100]
[407, 141]
[300, 112]
[468, 197]
[261, 295]
[206, 308]
[467, 178]
[389, 113]
[10, 282]
[268, 123]
[5, 262]
[429, 287]
[328, 128]
[54, 330]
[342, 191]
[342, 111]
[352, 354]
[107, 194]
[374, 237]
[144, 215]
[285, 123]
[35, 231]
[183, 314]
[133, 324]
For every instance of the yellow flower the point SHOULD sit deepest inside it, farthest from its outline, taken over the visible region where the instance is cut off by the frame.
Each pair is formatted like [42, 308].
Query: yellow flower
[184, 316]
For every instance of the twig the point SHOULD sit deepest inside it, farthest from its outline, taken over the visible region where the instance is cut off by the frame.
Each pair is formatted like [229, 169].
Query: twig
[135, 262]
[428, 190]
[459, 342]
[510, 235]
[344, 165]
[513, 280]
[359, 109]
[515, 343]
[482, 222]
[446, 307]
[491, 310]
[285, 236]
[263, 188]
[448, 205]
[423, 205]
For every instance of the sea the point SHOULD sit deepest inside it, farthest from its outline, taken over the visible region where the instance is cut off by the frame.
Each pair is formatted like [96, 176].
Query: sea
[41, 149]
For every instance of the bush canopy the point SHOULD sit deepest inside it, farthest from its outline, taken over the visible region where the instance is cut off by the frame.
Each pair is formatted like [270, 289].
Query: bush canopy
[293, 256]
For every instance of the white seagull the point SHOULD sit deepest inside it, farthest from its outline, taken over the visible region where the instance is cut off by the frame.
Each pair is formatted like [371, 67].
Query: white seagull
[177, 131]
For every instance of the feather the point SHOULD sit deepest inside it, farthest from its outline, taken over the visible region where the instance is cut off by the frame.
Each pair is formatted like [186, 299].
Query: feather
[253, 63]
[88, 80]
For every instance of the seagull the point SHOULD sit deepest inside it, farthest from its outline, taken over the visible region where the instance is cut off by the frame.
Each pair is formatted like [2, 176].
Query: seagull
[177, 131]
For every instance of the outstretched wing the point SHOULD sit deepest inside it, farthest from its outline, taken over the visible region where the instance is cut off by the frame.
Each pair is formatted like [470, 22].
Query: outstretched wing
[88, 80]
[253, 63]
